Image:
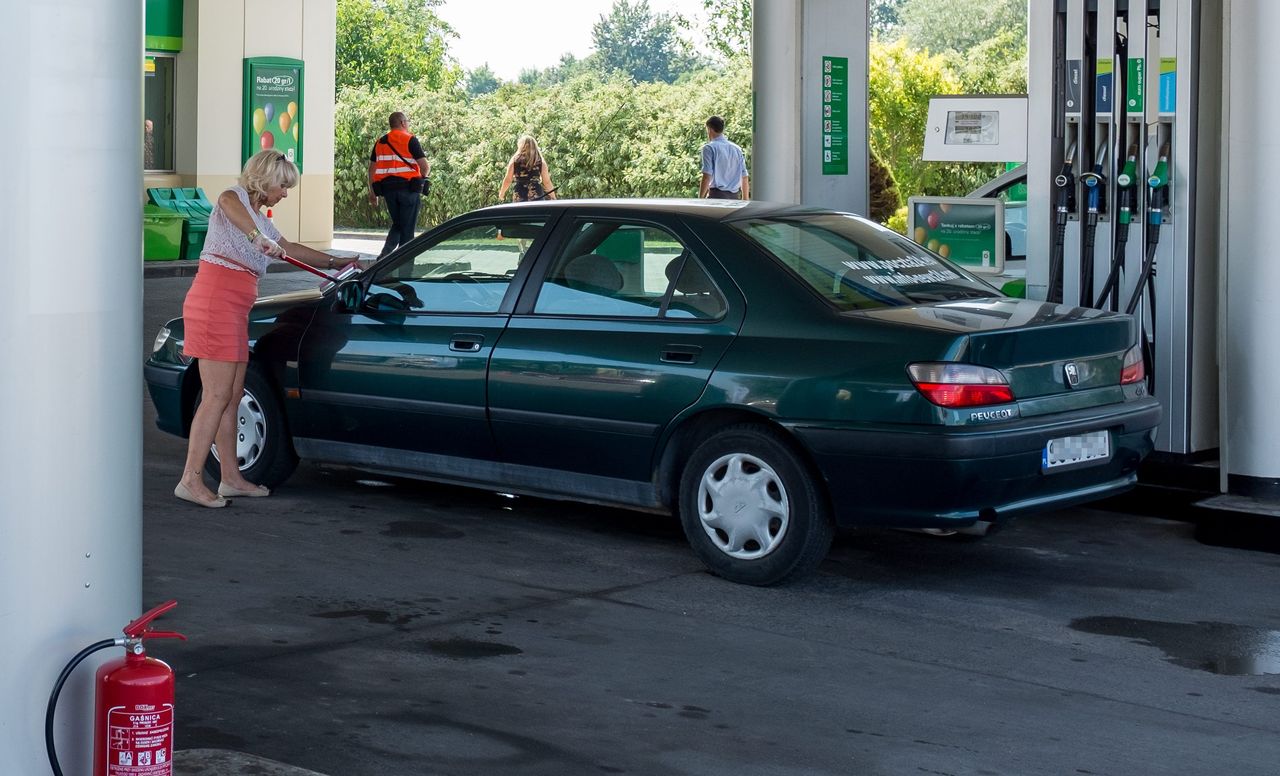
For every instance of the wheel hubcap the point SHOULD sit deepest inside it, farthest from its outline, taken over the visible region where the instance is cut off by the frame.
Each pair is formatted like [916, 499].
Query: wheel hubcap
[743, 506]
[251, 431]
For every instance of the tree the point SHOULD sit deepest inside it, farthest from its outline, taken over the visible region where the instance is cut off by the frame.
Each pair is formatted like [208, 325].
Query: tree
[634, 40]
[387, 43]
[482, 81]
[728, 26]
[570, 67]
[900, 81]
[883, 17]
[932, 25]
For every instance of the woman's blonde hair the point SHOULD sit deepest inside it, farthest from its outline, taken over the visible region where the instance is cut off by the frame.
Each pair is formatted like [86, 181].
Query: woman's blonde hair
[266, 169]
[527, 152]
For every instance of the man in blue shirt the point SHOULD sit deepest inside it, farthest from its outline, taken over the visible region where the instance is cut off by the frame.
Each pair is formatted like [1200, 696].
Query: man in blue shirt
[724, 168]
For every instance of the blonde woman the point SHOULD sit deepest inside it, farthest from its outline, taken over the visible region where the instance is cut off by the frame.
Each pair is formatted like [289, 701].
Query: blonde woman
[239, 245]
[529, 172]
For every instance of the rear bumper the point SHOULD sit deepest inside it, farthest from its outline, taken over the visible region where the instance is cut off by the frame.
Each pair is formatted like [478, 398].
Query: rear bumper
[951, 478]
[164, 383]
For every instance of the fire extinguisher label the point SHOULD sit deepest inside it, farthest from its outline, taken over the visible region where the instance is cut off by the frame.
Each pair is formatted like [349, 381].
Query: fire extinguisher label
[140, 741]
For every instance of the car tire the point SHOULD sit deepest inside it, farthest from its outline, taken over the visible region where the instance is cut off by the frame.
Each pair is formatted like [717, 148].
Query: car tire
[751, 508]
[264, 447]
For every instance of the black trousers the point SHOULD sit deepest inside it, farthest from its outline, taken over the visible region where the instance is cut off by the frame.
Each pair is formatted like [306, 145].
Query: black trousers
[403, 206]
[722, 194]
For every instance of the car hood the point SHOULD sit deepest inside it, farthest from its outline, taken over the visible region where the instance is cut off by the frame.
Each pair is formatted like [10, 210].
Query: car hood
[269, 307]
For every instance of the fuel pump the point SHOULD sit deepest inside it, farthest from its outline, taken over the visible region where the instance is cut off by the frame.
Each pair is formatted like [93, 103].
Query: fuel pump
[1065, 182]
[133, 725]
[1095, 186]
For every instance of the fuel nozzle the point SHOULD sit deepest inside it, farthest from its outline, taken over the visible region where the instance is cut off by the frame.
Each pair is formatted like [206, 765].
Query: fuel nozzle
[1158, 188]
[1124, 186]
[1065, 180]
[1095, 183]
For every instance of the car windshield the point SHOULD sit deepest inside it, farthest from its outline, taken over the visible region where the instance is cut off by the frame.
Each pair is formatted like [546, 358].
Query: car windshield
[855, 266]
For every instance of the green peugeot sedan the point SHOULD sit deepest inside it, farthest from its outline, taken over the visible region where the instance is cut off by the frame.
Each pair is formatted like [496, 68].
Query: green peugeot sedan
[766, 372]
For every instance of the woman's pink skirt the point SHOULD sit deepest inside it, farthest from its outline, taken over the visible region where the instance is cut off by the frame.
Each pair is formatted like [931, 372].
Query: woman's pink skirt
[215, 315]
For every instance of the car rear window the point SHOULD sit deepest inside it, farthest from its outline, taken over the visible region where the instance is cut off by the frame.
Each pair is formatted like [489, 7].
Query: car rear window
[856, 266]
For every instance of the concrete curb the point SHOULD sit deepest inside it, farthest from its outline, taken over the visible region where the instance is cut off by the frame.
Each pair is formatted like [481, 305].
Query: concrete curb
[219, 762]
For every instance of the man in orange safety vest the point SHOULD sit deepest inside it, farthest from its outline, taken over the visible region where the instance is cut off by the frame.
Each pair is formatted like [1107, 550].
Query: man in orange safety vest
[397, 172]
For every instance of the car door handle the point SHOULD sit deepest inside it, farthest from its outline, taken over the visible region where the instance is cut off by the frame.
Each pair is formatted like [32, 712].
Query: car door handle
[466, 343]
[680, 354]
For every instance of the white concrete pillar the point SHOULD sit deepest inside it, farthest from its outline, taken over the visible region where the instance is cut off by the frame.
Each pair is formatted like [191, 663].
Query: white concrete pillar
[1251, 278]
[789, 40]
[70, 361]
[775, 75]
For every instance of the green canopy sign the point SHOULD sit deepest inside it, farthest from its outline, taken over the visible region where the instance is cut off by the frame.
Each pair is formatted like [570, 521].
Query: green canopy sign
[164, 25]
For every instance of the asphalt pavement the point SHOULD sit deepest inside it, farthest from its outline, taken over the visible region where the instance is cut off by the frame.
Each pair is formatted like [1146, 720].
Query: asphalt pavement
[352, 624]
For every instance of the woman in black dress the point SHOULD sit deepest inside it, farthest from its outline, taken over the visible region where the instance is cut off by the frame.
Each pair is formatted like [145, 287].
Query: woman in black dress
[527, 174]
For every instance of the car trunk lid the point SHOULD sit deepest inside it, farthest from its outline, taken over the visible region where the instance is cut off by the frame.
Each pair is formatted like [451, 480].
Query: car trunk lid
[1055, 357]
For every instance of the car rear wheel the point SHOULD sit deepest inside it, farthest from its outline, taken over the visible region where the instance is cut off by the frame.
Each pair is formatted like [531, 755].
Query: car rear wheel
[751, 509]
[263, 448]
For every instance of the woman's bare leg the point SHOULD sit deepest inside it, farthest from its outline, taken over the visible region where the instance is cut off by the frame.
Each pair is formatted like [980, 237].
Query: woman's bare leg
[228, 431]
[218, 379]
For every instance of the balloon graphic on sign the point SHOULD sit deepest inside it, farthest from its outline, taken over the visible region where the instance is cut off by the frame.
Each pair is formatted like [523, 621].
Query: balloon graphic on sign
[267, 140]
[293, 110]
[259, 121]
[270, 109]
[934, 219]
[285, 120]
[295, 132]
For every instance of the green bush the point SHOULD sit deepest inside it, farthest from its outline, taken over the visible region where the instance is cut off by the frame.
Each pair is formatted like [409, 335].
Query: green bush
[601, 138]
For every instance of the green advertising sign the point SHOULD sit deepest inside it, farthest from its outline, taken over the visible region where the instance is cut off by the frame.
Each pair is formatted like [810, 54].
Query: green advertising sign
[273, 107]
[969, 232]
[835, 115]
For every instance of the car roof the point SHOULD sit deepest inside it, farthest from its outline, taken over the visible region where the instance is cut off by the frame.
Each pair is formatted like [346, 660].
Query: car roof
[709, 209]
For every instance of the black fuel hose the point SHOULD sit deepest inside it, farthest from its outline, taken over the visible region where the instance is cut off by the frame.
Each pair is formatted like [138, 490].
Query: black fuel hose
[57, 690]
[1066, 183]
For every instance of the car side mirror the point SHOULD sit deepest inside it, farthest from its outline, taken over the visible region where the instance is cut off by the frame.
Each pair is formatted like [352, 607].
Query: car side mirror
[349, 297]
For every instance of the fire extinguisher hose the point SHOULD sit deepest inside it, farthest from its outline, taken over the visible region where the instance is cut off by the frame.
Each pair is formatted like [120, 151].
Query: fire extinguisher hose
[57, 689]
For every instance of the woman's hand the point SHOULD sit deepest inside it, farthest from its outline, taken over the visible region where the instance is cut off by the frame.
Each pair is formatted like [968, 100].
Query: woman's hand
[268, 246]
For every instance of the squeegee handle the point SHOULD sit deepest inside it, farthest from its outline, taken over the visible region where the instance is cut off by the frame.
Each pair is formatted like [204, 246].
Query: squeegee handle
[309, 268]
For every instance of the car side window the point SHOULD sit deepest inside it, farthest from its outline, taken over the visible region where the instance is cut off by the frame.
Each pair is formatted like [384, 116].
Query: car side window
[613, 269]
[467, 271]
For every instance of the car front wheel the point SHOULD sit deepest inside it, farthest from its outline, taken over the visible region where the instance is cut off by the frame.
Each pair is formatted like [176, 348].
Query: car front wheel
[263, 451]
[750, 507]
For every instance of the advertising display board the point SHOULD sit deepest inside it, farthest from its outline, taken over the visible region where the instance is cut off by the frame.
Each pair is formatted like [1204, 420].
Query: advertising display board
[272, 115]
[966, 231]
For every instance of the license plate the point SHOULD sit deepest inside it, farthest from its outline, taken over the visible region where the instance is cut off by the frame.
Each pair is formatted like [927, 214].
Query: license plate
[1074, 450]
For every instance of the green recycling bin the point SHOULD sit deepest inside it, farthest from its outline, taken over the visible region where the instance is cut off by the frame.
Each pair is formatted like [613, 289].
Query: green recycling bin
[161, 234]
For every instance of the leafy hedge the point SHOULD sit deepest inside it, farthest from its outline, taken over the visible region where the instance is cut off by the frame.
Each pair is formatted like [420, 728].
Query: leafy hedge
[601, 138]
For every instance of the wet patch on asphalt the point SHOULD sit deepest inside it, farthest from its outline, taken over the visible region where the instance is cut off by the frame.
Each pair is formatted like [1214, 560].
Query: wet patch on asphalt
[374, 616]
[421, 529]
[1216, 647]
[466, 649]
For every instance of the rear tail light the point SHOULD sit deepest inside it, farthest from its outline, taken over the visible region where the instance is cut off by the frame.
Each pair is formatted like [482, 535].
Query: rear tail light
[949, 384]
[1133, 370]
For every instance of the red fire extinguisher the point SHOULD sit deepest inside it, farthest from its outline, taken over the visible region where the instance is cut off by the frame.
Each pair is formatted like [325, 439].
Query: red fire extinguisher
[133, 725]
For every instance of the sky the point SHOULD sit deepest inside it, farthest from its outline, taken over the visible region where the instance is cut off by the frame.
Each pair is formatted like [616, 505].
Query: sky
[512, 35]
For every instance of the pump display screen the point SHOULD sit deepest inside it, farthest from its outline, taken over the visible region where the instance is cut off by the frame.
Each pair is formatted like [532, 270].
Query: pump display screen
[973, 127]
